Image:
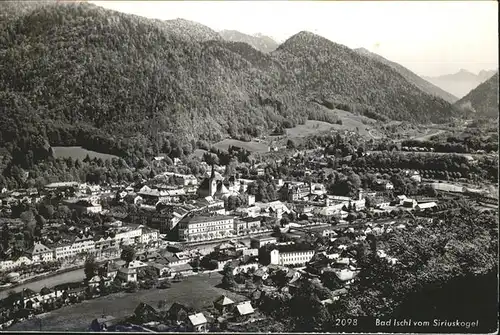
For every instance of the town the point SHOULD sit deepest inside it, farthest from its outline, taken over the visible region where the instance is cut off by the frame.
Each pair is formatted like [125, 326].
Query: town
[249, 167]
[259, 232]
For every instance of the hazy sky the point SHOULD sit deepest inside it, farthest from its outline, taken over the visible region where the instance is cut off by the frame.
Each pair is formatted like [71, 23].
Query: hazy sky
[428, 37]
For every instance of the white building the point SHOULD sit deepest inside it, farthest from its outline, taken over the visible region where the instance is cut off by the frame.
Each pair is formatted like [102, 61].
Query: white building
[128, 236]
[10, 264]
[205, 227]
[148, 236]
[423, 206]
[291, 257]
[40, 253]
[81, 245]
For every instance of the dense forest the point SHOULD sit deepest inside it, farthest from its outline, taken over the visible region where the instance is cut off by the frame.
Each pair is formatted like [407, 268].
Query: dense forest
[483, 100]
[326, 70]
[78, 74]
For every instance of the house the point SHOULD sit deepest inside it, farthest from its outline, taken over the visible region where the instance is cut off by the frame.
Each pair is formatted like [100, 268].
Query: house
[246, 224]
[223, 304]
[83, 206]
[346, 276]
[245, 308]
[110, 270]
[148, 236]
[198, 323]
[383, 185]
[40, 253]
[161, 269]
[259, 242]
[127, 275]
[178, 312]
[182, 269]
[294, 191]
[95, 281]
[426, 205]
[409, 203]
[103, 323]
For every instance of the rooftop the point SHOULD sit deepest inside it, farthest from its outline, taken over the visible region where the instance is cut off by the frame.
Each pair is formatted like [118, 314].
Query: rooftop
[197, 319]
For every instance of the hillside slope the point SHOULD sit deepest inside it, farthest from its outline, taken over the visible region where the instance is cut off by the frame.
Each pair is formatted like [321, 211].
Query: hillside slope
[483, 100]
[261, 42]
[83, 75]
[413, 78]
[324, 70]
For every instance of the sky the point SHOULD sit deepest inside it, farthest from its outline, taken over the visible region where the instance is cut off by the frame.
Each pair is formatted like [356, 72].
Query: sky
[431, 38]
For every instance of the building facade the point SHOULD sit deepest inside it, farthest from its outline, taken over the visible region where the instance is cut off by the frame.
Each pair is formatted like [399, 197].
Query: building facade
[205, 227]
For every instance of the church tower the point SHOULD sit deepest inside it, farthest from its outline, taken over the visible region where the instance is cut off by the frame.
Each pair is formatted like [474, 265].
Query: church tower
[212, 183]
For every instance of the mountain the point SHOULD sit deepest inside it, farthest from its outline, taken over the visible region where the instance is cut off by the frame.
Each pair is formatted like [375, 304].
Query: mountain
[483, 100]
[486, 74]
[462, 82]
[190, 30]
[260, 42]
[421, 83]
[324, 70]
[79, 74]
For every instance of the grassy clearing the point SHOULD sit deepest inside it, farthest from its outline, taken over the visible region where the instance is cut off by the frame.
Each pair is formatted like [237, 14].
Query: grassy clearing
[250, 146]
[79, 153]
[196, 291]
[198, 153]
[351, 122]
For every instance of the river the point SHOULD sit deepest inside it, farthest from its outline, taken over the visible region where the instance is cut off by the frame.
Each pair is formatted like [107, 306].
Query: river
[62, 278]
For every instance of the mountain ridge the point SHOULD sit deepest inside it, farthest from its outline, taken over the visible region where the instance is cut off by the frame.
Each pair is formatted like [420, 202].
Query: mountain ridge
[122, 81]
[482, 100]
[418, 81]
[258, 41]
[461, 82]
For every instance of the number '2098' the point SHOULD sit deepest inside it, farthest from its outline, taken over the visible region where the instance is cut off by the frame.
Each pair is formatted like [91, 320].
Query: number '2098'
[346, 322]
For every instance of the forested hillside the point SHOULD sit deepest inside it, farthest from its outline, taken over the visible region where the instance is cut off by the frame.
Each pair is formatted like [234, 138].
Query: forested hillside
[326, 70]
[77, 74]
[483, 100]
[421, 83]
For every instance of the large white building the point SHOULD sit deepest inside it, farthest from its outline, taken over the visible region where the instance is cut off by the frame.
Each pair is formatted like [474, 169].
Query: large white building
[289, 256]
[40, 253]
[205, 227]
[81, 245]
[128, 236]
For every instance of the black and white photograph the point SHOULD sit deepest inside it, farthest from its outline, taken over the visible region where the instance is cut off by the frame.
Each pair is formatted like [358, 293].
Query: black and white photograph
[249, 167]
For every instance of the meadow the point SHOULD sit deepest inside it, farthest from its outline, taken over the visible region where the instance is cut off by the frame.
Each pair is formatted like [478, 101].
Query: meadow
[79, 153]
[198, 292]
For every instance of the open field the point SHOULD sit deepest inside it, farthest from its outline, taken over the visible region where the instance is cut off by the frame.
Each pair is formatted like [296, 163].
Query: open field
[430, 133]
[196, 291]
[198, 153]
[311, 127]
[350, 122]
[79, 153]
[250, 146]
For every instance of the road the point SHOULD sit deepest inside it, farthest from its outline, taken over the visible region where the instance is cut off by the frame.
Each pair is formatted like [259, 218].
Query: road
[68, 277]
[435, 153]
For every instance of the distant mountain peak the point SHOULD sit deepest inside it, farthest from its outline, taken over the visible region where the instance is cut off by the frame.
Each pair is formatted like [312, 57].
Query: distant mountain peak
[258, 41]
